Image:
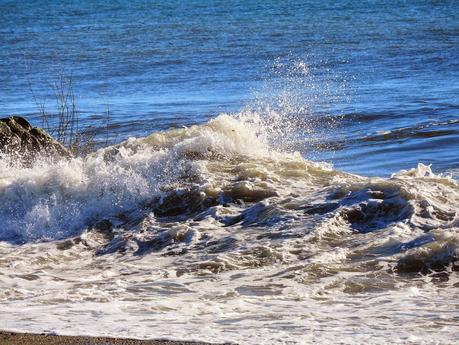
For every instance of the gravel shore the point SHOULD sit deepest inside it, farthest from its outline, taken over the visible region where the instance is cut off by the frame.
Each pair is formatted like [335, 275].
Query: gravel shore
[13, 338]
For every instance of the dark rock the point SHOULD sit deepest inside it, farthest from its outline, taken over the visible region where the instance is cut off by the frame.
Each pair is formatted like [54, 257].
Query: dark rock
[19, 139]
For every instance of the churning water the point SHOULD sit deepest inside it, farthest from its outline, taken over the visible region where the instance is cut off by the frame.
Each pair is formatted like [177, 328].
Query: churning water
[246, 205]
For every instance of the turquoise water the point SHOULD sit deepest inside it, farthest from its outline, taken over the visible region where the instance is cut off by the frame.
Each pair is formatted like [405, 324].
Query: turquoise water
[387, 72]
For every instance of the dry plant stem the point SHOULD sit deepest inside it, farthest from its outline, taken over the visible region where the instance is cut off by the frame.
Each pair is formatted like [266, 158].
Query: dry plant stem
[67, 130]
[64, 123]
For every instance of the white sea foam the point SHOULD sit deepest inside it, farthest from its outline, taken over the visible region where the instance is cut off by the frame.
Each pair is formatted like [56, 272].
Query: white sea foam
[214, 233]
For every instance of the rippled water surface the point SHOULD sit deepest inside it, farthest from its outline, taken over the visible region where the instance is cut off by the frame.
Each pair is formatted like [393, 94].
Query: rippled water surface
[390, 68]
[277, 173]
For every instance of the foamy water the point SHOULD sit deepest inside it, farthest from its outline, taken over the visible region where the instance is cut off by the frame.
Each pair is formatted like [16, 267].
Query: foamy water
[218, 233]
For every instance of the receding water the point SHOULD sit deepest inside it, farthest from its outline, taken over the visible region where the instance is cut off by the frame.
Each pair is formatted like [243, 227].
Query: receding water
[275, 187]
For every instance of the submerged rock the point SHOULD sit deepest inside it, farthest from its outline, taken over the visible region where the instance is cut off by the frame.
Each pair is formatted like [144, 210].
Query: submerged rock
[20, 139]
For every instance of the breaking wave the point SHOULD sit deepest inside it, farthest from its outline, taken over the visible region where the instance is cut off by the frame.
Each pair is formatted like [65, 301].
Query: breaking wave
[195, 190]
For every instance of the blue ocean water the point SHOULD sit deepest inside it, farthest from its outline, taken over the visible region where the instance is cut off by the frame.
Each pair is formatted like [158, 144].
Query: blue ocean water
[386, 71]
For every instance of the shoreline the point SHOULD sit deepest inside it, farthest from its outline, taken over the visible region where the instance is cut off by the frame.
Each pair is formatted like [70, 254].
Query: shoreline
[19, 338]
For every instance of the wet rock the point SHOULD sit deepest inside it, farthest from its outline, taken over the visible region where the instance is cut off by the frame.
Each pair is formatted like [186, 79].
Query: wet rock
[19, 139]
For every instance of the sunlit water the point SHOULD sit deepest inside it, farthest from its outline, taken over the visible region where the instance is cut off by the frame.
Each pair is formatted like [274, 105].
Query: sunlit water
[247, 205]
[390, 68]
